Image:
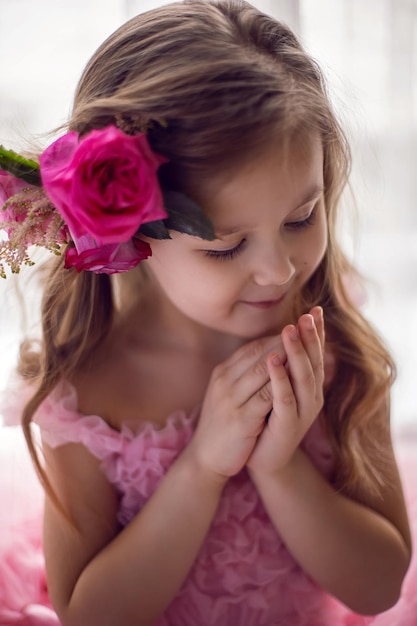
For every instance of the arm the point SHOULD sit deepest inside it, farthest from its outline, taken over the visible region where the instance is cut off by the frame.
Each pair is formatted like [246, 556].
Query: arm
[130, 577]
[356, 547]
[357, 552]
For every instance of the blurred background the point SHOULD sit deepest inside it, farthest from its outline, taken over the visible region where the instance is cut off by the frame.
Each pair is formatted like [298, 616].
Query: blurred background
[368, 52]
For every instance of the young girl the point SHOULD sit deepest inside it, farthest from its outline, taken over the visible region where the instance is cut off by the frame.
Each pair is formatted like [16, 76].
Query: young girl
[214, 421]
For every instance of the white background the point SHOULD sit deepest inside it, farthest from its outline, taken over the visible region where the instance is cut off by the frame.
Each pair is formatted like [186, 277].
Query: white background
[368, 50]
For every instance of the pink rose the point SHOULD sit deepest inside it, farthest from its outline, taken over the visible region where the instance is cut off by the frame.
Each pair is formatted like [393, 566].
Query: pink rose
[104, 185]
[107, 259]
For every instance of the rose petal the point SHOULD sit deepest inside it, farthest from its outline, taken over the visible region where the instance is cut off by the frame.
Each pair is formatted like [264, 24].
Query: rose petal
[108, 259]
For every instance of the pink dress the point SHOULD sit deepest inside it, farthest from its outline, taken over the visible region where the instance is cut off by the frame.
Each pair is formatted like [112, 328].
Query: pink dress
[243, 576]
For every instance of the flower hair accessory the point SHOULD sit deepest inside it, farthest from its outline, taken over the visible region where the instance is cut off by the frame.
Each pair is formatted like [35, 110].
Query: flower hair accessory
[98, 192]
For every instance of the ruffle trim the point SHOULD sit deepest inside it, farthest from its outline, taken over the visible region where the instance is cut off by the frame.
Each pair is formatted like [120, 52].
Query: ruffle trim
[134, 462]
[61, 423]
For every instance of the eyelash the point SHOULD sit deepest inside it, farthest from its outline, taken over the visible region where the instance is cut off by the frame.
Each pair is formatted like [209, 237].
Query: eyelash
[227, 255]
[308, 221]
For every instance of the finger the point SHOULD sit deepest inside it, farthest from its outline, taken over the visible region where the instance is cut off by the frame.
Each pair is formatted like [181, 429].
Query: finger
[302, 375]
[250, 354]
[317, 313]
[312, 345]
[284, 400]
[253, 382]
[259, 405]
[246, 376]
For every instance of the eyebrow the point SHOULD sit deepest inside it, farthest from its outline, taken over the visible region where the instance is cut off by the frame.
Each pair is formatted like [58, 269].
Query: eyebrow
[313, 194]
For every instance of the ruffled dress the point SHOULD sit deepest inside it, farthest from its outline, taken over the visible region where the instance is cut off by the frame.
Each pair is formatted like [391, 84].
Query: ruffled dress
[243, 576]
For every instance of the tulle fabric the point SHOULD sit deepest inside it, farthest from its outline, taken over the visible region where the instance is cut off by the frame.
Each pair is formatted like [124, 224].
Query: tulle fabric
[23, 592]
[243, 576]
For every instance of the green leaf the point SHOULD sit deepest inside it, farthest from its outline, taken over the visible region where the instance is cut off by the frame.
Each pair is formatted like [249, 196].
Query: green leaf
[156, 229]
[20, 166]
[186, 216]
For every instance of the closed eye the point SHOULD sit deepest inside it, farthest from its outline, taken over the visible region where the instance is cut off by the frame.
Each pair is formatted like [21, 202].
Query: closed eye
[308, 221]
[226, 255]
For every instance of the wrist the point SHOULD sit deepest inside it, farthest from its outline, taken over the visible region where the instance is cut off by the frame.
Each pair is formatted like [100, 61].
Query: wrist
[198, 473]
[284, 474]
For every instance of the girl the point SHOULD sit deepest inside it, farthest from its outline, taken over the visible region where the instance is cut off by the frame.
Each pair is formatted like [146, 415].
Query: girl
[215, 421]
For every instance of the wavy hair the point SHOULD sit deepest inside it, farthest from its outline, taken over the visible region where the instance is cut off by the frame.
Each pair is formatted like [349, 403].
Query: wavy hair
[211, 82]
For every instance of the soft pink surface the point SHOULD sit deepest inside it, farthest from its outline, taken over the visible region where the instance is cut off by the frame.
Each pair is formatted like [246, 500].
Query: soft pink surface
[244, 575]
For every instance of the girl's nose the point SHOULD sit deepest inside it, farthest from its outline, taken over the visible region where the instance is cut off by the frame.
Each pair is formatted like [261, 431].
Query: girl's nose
[273, 266]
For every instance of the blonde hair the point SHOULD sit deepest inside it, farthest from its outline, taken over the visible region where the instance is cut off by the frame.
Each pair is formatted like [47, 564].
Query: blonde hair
[211, 82]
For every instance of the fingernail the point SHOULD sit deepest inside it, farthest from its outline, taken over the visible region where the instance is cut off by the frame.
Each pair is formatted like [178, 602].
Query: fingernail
[275, 360]
[294, 334]
[309, 322]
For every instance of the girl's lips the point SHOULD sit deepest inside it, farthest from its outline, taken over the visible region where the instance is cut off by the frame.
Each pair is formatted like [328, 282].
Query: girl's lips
[264, 304]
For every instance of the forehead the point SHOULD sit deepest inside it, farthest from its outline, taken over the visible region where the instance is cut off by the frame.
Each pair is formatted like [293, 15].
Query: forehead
[283, 177]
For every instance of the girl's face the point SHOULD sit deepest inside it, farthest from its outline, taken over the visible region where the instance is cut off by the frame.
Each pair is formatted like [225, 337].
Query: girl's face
[272, 234]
